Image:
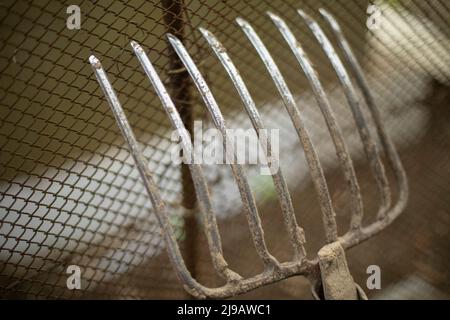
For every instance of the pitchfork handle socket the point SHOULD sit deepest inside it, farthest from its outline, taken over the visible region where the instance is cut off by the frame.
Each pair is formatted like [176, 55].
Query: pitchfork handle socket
[337, 282]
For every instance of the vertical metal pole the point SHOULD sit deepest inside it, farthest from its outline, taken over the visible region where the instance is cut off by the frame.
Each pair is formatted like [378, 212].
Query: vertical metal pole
[179, 90]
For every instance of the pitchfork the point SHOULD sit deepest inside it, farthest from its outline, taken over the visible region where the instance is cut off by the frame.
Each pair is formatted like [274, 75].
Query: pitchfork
[328, 271]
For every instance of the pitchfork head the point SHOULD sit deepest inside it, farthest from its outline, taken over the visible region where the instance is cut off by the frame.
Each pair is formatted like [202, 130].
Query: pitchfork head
[299, 264]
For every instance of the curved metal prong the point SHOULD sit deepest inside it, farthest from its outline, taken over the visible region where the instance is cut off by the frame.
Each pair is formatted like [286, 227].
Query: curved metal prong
[316, 170]
[388, 146]
[370, 147]
[296, 234]
[200, 185]
[248, 200]
[152, 189]
[324, 105]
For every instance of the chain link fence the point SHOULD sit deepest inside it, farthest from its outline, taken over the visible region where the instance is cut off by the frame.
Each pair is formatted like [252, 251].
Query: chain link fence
[69, 191]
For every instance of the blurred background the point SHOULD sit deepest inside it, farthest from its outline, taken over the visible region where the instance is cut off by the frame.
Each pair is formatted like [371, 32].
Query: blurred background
[71, 195]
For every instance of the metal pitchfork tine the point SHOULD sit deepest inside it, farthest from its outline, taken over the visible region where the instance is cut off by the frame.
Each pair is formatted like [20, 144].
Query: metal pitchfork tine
[296, 234]
[200, 185]
[330, 261]
[370, 147]
[248, 199]
[387, 213]
[291, 106]
[388, 146]
[152, 189]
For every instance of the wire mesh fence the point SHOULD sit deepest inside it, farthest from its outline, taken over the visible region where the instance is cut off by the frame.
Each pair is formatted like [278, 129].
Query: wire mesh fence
[69, 190]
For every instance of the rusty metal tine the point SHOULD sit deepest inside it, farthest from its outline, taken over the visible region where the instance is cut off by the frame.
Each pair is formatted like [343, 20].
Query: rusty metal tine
[386, 142]
[316, 170]
[247, 197]
[152, 189]
[296, 234]
[200, 185]
[369, 144]
[330, 119]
